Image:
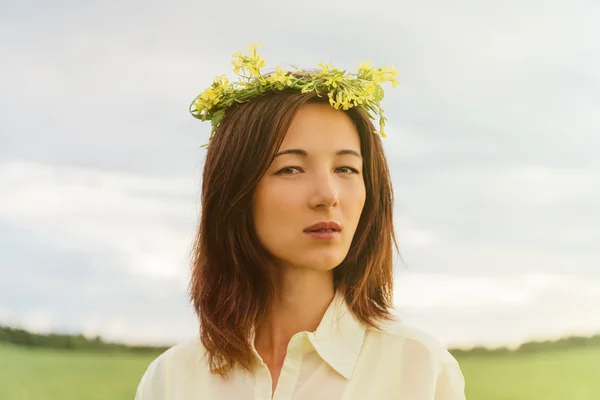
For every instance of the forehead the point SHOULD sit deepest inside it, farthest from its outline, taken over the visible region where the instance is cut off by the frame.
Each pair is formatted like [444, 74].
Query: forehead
[320, 126]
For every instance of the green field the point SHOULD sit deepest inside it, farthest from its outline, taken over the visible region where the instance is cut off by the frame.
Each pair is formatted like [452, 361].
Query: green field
[45, 374]
[563, 374]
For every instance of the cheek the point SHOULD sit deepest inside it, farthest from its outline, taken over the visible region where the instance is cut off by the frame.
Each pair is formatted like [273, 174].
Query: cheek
[274, 198]
[363, 194]
[355, 198]
[274, 206]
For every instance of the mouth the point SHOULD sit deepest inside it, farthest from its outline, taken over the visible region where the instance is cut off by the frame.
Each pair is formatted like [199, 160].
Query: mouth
[324, 230]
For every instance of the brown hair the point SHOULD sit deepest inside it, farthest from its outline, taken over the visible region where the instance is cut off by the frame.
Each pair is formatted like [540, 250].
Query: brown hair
[231, 289]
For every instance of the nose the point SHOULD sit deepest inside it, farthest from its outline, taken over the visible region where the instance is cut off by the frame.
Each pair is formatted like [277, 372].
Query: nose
[325, 193]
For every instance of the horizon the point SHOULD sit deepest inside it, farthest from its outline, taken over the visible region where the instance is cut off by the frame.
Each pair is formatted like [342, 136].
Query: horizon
[508, 346]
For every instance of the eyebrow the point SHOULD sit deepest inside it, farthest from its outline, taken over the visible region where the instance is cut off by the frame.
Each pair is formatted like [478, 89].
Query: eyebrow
[303, 153]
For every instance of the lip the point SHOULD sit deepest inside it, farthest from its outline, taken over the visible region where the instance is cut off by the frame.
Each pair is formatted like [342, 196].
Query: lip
[332, 230]
[323, 235]
[332, 225]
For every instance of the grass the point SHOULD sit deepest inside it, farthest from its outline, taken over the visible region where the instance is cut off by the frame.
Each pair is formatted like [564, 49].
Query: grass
[46, 374]
[562, 374]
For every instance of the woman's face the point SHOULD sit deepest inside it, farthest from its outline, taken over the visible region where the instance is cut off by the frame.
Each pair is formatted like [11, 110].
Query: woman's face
[316, 177]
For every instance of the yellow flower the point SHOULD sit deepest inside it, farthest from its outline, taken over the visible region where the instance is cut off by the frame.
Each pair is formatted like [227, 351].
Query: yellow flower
[352, 98]
[208, 95]
[333, 80]
[281, 78]
[366, 65]
[253, 47]
[306, 89]
[250, 64]
[382, 126]
[331, 101]
[222, 82]
[237, 62]
[198, 104]
[324, 69]
[385, 75]
[258, 63]
[338, 100]
[346, 104]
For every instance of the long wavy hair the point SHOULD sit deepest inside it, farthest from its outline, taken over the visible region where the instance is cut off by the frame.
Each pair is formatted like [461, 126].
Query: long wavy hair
[231, 288]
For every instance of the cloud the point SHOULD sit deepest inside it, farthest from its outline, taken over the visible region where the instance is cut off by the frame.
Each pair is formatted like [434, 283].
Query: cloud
[148, 222]
[494, 221]
[464, 311]
[93, 290]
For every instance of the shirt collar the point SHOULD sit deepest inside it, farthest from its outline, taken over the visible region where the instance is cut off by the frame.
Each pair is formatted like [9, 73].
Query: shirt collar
[339, 337]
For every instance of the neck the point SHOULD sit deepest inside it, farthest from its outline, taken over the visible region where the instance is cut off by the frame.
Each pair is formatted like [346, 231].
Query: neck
[301, 299]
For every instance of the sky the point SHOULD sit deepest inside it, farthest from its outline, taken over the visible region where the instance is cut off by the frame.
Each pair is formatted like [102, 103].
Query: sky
[493, 143]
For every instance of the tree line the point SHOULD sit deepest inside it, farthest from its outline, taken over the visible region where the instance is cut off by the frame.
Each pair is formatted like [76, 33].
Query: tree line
[530, 347]
[23, 337]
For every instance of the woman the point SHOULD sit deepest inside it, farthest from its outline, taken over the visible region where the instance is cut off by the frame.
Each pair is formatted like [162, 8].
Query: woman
[292, 271]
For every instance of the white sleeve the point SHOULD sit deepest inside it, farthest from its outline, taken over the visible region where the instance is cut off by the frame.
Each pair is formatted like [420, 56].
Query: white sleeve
[152, 386]
[450, 384]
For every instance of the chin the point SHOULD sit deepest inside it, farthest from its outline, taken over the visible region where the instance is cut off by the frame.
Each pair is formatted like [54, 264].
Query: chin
[322, 262]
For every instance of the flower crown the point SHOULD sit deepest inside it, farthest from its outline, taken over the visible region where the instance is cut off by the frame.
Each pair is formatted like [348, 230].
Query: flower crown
[344, 90]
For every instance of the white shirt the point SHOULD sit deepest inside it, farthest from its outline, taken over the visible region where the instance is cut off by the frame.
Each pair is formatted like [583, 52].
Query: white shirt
[341, 360]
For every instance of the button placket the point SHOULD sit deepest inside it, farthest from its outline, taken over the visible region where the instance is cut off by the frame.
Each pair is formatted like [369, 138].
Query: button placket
[291, 368]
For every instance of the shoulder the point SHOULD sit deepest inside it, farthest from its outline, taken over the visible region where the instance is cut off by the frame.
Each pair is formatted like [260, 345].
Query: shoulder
[407, 353]
[178, 360]
[407, 337]
[183, 354]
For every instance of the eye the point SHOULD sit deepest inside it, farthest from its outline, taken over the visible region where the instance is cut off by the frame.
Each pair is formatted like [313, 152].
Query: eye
[287, 171]
[348, 170]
